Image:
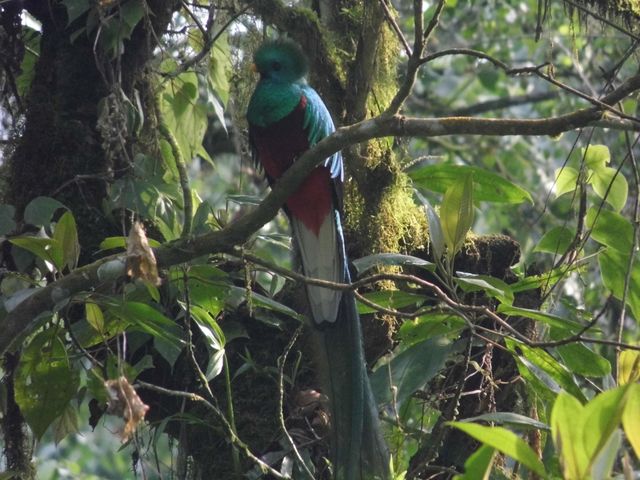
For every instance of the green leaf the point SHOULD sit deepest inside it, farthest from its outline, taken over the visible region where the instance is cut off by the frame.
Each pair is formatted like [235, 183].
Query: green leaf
[76, 8]
[602, 464]
[546, 368]
[209, 328]
[509, 418]
[365, 264]
[428, 326]
[628, 367]
[602, 416]
[142, 317]
[555, 241]
[45, 381]
[596, 156]
[493, 287]
[410, 370]
[237, 295]
[478, 465]
[613, 266]
[488, 186]
[436, 236]
[631, 419]
[566, 429]
[65, 424]
[111, 243]
[390, 299]
[7, 223]
[581, 360]
[66, 235]
[504, 441]
[610, 229]
[610, 185]
[456, 213]
[94, 315]
[566, 180]
[40, 210]
[561, 323]
[48, 249]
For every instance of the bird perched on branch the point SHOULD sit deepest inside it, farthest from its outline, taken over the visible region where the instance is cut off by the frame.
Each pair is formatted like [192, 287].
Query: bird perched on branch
[287, 117]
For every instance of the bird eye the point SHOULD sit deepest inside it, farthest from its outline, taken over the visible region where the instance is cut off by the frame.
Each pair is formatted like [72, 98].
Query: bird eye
[276, 66]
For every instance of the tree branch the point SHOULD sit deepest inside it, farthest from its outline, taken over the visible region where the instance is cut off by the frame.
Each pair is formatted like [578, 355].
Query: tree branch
[28, 315]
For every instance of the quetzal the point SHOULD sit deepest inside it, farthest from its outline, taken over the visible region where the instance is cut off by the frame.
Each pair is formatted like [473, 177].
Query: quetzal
[286, 117]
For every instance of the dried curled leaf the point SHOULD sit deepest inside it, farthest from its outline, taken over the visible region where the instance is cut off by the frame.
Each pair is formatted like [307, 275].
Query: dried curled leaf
[123, 401]
[141, 262]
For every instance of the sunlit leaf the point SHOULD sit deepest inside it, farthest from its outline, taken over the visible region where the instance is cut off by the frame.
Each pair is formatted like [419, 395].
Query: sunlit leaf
[561, 323]
[45, 381]
[581, 360]
[611, 186]
[493, 287]
[631, 418]
[628, 367]
[488, 186]
[509, 418]
[94, 315]
[456, 213]
[555, 240]
[566, 180]
[478, 465]
[66, 235]
[504, 441]
[596, 156]
[566, 428]
[610, 229]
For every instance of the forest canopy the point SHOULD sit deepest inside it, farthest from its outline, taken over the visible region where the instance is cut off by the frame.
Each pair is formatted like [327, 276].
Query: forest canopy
[151, 295]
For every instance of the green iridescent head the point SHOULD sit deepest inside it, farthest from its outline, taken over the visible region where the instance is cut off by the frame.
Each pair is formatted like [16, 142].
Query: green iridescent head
[281, 60]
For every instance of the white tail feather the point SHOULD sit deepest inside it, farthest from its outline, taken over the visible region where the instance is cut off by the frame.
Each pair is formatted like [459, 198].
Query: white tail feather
[321, 258]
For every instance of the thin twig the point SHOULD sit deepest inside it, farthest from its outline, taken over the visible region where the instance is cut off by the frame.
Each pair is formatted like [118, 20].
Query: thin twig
[282, 361]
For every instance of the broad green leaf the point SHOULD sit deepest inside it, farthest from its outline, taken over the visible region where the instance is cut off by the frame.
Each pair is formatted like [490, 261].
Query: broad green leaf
[478, 465]
[543, 281]
[31, 40]
[7, 222]
[66, 235]
[142, 317]
[456, 213]
[509, 418]
[365, 264]
[596, 156]
[602, 464]
[613, 266]
[566, 180]
[209, 327]
[94, 315]
[185, 117]
[493, 287]
[628, 367]
[611, 186]
[65, 424]
[48, 249]
[581, 360]
[410, 370]
[428, 326]
[545, 367]
[602, 417]
[390, 299]
[40, 210]
[631, 418]
[610, 229]
[567, 418]
[504, 441]
[488, 186]
[45, 381]
[555, 241]
[561, 323]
